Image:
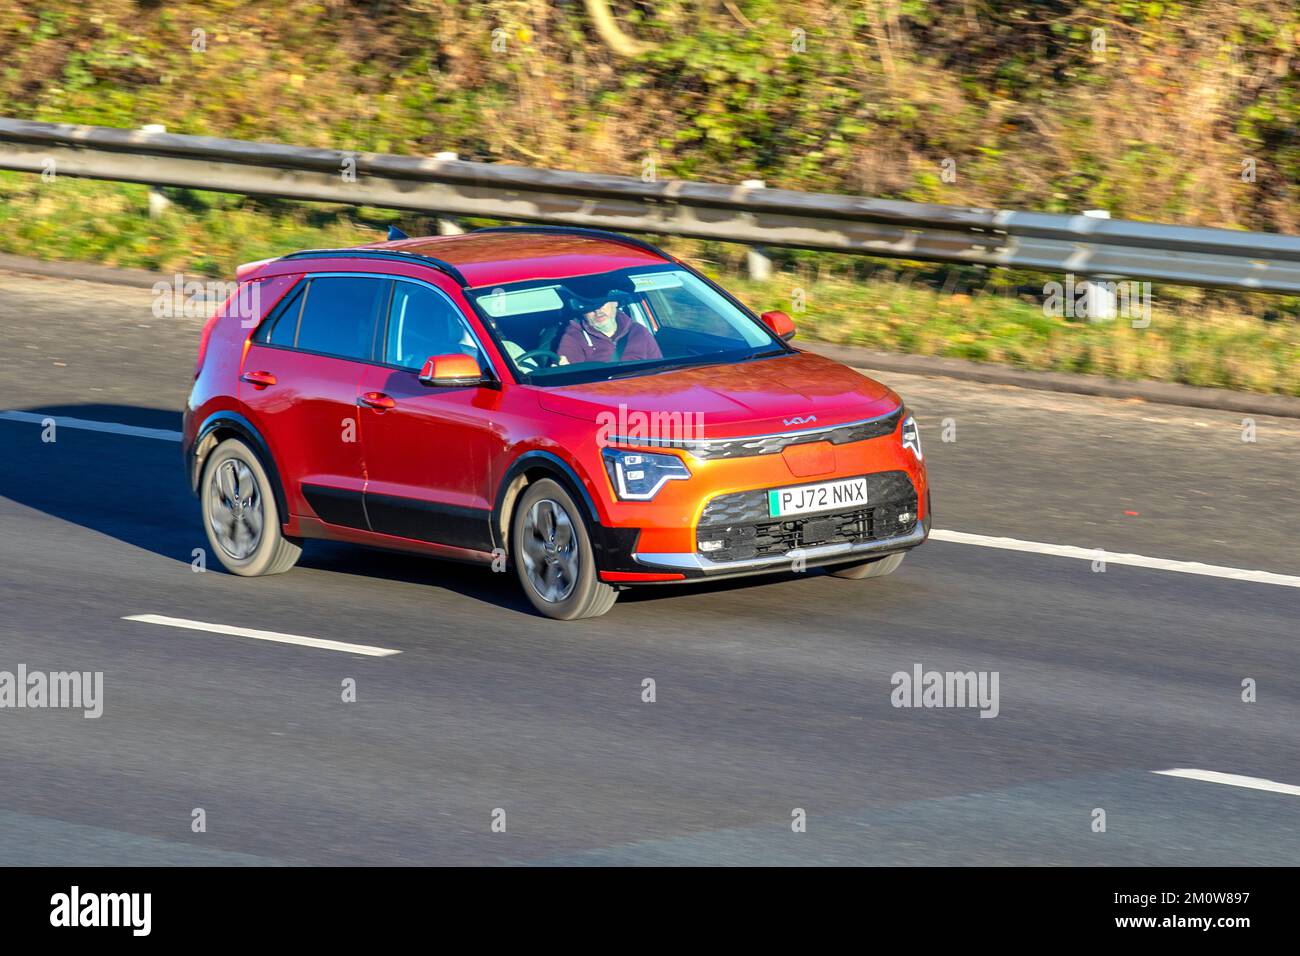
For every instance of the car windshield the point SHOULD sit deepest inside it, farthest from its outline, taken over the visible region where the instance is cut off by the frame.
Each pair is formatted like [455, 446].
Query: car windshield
[618, 324]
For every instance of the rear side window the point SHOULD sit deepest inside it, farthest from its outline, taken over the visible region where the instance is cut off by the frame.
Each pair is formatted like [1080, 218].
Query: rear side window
[338, 316]
[281, 325]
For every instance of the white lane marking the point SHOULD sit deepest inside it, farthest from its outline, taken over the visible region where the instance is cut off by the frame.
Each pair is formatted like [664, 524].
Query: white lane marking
[1112, 557]
[1232, 779]
[278, 638]
[938, 534]
[85, 424]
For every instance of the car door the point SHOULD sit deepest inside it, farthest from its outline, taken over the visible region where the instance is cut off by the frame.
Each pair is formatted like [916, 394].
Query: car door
[427, 449]
[300, 382]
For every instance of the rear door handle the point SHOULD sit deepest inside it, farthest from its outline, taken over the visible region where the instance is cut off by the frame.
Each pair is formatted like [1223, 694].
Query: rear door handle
[260, 379]
[377, 400]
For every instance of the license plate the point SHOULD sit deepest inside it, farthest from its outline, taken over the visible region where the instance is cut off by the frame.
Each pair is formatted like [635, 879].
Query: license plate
[825, 496]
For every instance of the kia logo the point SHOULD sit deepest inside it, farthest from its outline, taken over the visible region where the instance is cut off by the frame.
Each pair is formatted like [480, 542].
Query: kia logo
[799, 421]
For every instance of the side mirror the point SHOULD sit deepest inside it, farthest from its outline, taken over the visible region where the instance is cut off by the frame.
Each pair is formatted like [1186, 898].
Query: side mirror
[780, 325]
[451, 371]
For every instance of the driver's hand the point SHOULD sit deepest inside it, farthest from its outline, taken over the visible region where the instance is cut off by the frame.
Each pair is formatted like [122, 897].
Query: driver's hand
[564, 360]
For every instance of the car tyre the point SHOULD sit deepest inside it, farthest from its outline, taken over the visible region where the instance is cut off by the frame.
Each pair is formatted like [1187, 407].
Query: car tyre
[240, 515]
[875, 568]
[551, 549]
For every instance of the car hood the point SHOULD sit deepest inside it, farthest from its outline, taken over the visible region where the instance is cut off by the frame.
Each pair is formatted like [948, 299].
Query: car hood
[785, 393]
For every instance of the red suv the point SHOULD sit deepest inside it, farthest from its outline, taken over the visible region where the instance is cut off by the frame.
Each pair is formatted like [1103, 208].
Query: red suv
[573, 403]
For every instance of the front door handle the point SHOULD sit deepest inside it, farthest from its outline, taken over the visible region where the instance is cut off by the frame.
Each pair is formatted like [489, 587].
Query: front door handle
[377, 400]
[260, 379]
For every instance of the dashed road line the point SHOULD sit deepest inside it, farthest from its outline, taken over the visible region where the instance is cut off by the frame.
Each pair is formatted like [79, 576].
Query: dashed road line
[1232, 780]
[1112, 557]
[85, 424]
[256, 635]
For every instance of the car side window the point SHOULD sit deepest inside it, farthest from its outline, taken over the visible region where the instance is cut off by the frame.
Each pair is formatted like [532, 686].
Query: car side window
[423, 323]
[339, 315]
[280, 327]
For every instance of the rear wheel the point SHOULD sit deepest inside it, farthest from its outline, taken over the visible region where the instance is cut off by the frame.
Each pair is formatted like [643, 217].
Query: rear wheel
[240, 516]
[875, 568]
[552, 552]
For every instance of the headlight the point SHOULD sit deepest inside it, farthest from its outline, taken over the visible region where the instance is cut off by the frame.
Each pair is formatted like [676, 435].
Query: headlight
[912, 437]
[638, 475]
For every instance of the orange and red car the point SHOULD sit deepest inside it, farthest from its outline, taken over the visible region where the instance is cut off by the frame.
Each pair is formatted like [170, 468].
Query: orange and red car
[576, 404]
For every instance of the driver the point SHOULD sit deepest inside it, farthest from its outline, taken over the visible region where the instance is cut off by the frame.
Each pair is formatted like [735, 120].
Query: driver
[604, 332]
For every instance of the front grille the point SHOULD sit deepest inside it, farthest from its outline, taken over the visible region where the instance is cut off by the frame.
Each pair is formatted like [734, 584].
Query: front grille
[741, 521]
[750, 506]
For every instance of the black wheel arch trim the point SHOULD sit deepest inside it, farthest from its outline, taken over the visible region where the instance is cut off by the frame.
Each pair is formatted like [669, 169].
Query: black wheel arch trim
[613, 546]
[233, 421]
[558, 467]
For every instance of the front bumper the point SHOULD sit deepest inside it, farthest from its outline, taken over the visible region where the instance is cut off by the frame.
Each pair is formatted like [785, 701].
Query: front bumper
[618, 551]
[697, 565]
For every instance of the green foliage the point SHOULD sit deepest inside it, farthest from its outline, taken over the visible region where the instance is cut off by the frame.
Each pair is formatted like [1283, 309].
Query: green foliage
[1143, 107]
[868, 96]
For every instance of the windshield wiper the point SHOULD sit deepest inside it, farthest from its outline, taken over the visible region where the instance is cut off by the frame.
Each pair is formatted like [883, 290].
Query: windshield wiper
[708, 360]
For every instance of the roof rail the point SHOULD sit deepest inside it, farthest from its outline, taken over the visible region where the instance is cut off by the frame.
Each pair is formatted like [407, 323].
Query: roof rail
[392, 254]
[583, 231]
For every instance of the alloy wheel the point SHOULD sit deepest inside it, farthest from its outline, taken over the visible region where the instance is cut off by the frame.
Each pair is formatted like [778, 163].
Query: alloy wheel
[550, 550]
[235, 510]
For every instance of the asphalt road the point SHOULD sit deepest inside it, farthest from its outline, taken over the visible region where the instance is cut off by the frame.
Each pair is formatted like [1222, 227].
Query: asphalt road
[769, 696]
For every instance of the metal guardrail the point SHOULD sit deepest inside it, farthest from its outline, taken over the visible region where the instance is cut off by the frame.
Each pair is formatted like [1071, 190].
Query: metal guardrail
[1045, 242]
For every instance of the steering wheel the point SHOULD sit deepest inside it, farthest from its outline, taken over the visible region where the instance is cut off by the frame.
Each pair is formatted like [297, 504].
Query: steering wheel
[535, 356]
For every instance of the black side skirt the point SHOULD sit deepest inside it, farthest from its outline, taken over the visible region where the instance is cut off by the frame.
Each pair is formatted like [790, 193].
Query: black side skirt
[339, 506]
[431, 521]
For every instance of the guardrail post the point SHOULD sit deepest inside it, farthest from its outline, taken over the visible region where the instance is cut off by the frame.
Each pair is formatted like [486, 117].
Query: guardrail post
[446, 225]
[1100, 299]
[756, 258]
[158, 203]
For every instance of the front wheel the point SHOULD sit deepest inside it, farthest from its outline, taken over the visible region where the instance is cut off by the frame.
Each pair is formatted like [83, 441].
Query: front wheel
[875, 568]
[552, 553]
